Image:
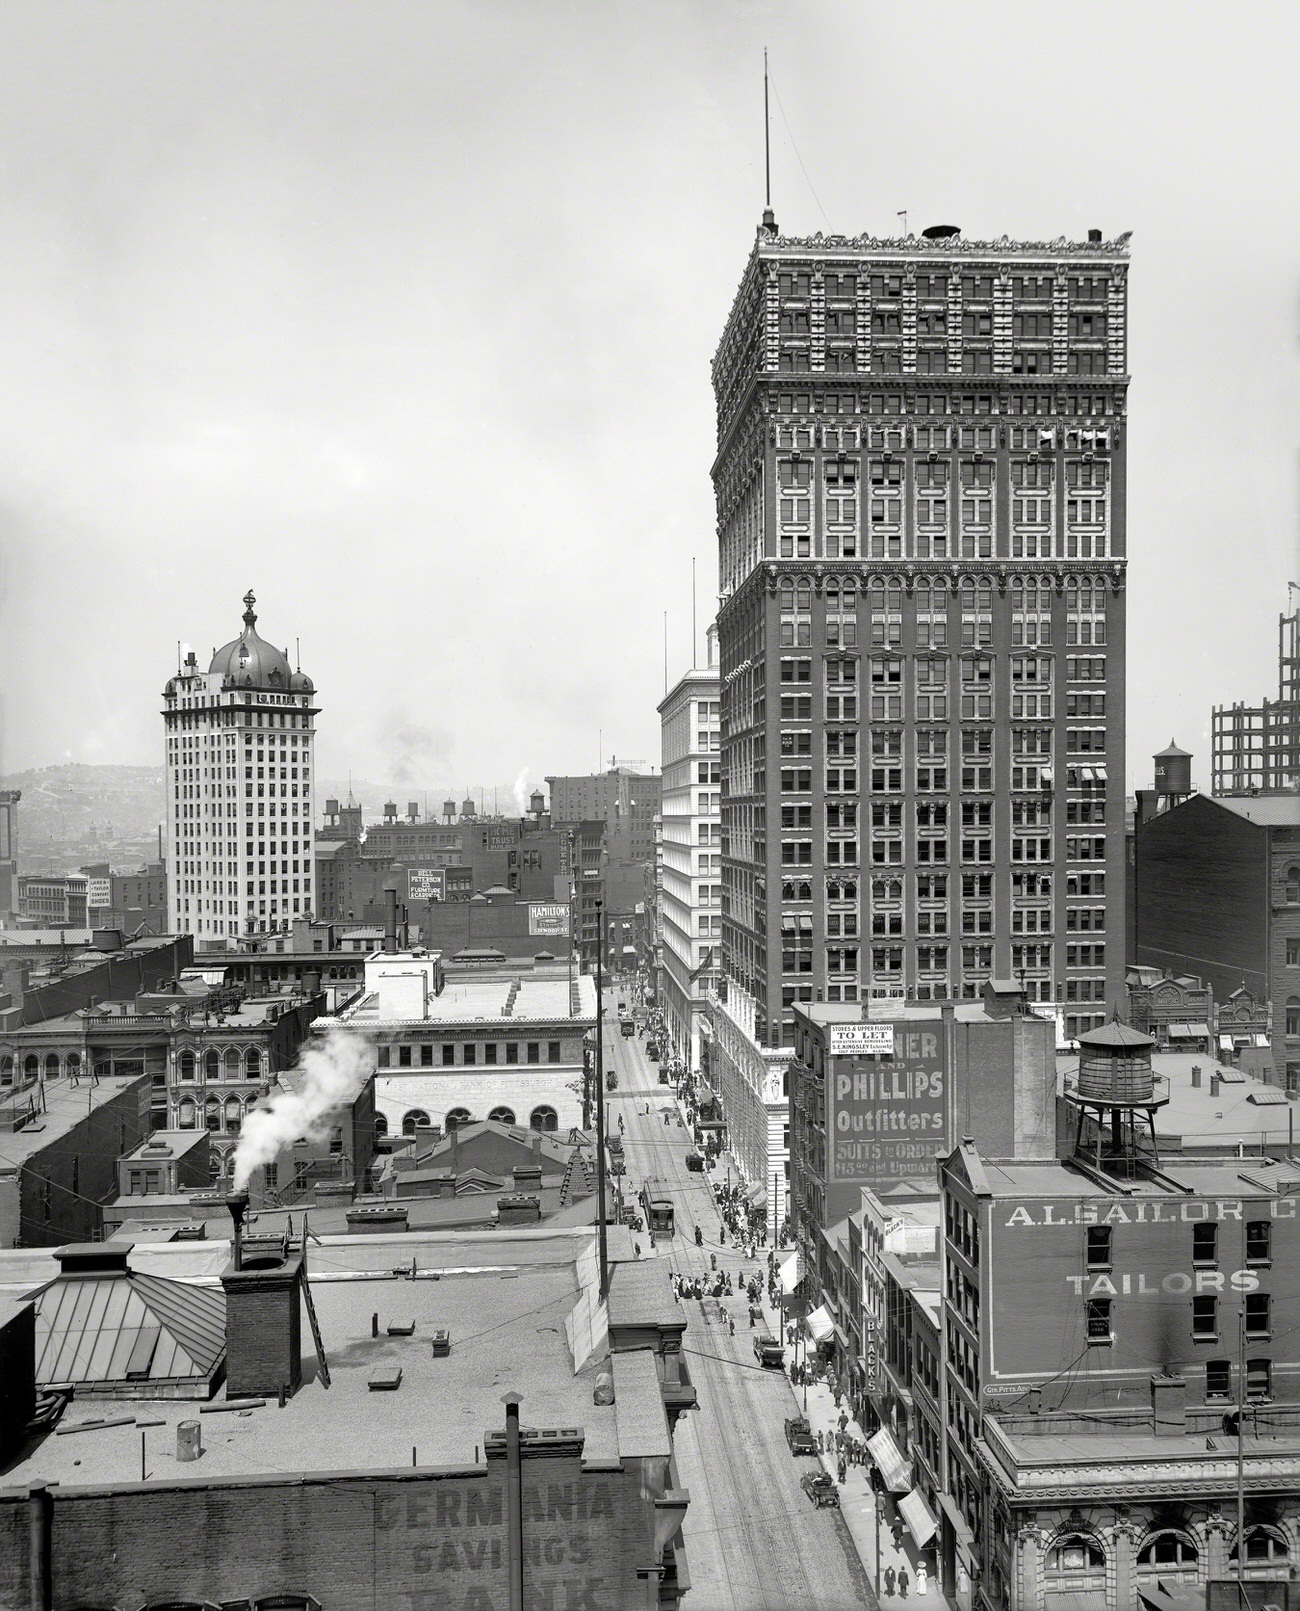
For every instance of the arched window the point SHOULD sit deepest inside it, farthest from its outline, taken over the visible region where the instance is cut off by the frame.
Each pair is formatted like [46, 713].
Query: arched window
[381, 1124]
[231, 1061]
[185, 1115]
[457, 1117]
[233, 1115]
[253, 1063]
[185, 1065]
[416, 1117]
[214, 1166]
[211, 1065]
[51, 1065]
[503, 1115]
[1293, 886]
[1167, 1550]
[31, 1066]
[7, 1069]
[73, 1065]
[543, 1118]
[212, 1114]
[1264, 1547]
[1075, 1556]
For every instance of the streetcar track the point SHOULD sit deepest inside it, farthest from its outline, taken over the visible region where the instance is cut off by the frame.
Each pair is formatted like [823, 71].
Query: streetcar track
[747, 1479]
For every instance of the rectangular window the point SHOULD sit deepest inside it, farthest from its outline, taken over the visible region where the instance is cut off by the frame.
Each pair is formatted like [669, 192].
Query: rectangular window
[1205, 1244]
[552, 1051]
[1259, 1314]
[1097, 1316]
[385, 1056]
[512, 1051]
[448, 1054]
[1205, 1317]
[1259, 1379]
[1259, 1241]
[1218, 1378]
[1099, 1247]
[490, 1052]
[534, 1051]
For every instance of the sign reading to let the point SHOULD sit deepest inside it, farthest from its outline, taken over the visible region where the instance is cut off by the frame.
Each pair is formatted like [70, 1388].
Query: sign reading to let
[425, 884]
[548, 919]
[861, 1040]
[888, 1112]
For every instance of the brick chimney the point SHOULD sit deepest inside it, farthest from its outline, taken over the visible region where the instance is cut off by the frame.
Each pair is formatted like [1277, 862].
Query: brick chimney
[1169, 1406]
[519, 1210]
[263, 1316]
[527, 1177]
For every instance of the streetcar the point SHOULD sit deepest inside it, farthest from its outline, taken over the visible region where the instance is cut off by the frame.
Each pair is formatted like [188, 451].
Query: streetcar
[658, 1209]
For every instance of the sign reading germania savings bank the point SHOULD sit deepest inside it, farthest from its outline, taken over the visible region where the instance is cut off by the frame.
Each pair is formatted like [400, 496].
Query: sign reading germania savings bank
[887, 1100]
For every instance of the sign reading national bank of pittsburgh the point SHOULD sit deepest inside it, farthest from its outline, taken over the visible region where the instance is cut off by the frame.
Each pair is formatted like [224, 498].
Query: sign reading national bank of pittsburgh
[887, 1098]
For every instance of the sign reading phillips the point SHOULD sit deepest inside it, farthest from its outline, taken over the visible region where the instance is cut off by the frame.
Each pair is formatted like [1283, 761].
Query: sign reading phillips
[887, 1098]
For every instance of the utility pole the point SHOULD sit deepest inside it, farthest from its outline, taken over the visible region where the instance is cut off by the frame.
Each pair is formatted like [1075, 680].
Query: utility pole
[1241, 1456]
[600, 1101]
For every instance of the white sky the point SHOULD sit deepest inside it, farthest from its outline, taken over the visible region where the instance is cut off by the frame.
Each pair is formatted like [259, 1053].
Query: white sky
[402, 315]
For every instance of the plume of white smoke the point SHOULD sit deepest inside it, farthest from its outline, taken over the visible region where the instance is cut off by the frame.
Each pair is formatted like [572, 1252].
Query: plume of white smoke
[330, 1073]
[521, 792]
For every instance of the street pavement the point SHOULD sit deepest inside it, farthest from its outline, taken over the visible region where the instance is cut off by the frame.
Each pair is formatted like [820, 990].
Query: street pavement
[754, 1540]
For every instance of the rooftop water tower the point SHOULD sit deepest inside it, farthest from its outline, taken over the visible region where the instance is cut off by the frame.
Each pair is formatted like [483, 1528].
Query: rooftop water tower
[449, 811]
[1117, 1091]
[1173, 771]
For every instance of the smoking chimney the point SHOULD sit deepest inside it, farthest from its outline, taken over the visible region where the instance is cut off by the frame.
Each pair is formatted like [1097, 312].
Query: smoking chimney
[237, 1203]
[390, 921]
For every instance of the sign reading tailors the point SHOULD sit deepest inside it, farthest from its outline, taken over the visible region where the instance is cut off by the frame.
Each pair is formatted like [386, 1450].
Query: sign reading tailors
[547, 919]
[425, 884]
[888, 1105]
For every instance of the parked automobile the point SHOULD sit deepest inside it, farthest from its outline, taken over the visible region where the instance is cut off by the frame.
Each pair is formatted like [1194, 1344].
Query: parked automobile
[768, 1352]
[820, 1488]
[631, 1218]
[652, 1050]
[799, 1435]
[695, 1162]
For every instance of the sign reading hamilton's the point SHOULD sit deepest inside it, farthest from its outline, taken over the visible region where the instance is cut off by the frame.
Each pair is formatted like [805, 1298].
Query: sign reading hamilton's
[888, 1100]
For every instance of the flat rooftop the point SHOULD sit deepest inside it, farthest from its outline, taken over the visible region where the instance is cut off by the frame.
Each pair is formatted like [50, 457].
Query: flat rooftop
[66, 1105]
[507, 1325]
[1082, 1454]
[823, 1013]
[1206, 1177]
[482, 998]
[1243, 1108]
[160, 1145]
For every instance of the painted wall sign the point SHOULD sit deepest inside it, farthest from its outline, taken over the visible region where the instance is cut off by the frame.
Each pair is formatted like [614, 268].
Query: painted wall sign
[1138, 1211]
[861, 1040]
[425, 884]
[888, 1114]
[548, 919]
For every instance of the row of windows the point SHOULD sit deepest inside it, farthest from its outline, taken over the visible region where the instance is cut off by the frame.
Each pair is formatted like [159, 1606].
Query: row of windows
[542, 1118]
[408, 1055]
[1099, 1243]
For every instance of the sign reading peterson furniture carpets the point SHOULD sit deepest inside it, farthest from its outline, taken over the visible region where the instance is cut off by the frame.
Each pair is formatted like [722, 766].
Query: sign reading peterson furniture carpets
[888, 1113]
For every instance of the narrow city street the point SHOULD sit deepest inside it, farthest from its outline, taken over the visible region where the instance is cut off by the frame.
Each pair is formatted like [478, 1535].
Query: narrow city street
[754, 1539]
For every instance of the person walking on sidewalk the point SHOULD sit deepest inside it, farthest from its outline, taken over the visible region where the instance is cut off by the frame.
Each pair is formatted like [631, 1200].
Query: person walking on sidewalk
[889, 1581]
[902, 1581]
[843, 1471]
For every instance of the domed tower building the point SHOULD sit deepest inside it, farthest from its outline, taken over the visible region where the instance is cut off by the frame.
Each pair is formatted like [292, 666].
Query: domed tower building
[239, 800]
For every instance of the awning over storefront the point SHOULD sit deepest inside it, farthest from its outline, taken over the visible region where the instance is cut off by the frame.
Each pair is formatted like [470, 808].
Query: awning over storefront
[1182, 1031]
[791, 1272]
[1261, 1040]
[820, 1324]
[920, 1519]
[896, 1471]
[960, 1531]
[1225, 1043]
[757, 1195]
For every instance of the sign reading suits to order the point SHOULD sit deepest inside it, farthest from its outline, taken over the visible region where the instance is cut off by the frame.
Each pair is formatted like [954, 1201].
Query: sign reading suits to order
[887, 1110]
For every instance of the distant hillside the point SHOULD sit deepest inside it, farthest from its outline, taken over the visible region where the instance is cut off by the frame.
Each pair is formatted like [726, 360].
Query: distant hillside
[72, 814]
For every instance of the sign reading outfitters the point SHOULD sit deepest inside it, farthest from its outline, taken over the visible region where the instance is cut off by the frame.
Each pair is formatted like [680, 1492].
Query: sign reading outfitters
[887, 1096]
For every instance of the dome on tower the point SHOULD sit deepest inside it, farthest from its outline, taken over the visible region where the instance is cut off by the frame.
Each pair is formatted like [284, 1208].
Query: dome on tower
[249, 660]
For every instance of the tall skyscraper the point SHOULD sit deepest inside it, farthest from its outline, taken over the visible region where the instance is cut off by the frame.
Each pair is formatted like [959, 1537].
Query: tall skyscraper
[920, 488]
[690, 898]
[239, 801]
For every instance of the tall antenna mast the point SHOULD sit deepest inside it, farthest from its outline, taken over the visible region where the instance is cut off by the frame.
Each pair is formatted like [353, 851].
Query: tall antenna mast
[767, 139]
[692, 609]
[769, 222]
